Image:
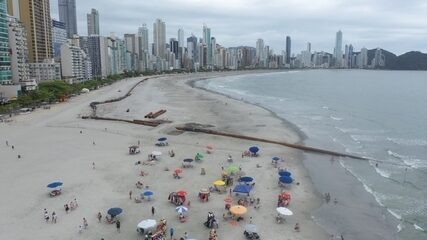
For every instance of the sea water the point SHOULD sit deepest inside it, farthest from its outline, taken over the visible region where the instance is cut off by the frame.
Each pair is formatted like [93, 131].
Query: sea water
[377, 114]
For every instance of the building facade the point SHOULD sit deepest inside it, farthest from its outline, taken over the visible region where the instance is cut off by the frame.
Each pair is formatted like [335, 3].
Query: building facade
[338, 54]
[59, 37]
[18, 51]
[47, 70]
[35, 16]
[159, 37]
[67, 15]
[5, 66]
[74, 64]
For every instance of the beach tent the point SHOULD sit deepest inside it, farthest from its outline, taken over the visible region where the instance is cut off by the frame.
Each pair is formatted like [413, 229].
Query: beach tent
[285, 179]
[199, 156]
[246, 179]
[219, 183]
[275, 159]
[147, 224]
[148, 194]
[189, 160]
[251, 228]
[233, 169]
[242, 188]
[114, 211]
[162, 139]
[181, 209]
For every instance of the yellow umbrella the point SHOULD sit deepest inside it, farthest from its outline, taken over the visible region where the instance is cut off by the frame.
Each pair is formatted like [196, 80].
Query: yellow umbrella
[219, 183]
[238, 210]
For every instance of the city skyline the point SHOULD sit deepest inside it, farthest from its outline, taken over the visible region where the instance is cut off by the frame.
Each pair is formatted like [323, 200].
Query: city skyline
[384, 24]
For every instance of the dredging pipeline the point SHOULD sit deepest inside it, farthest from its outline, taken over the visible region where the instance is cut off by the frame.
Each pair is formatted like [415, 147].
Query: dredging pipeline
[291, 145]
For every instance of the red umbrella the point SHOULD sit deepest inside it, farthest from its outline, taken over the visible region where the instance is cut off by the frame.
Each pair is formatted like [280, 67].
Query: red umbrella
[209, 146]
[181, 193]
[178, 170]
[228, 200]
[285, 195]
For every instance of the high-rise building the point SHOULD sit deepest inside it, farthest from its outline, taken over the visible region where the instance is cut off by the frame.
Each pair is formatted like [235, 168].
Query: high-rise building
[5, 67]
[363, 58]
[181, 42]
[35, 16]
[59, 37]
[208, 43]
[174, 46]
[132, 48]
[74, 63]
[288, 50]
[18, 51]
[93, 22]
[260, 52]
[67, 14]
[94, 52]
[338, 49]
[192, 49]
[143, 46]
[159, 36]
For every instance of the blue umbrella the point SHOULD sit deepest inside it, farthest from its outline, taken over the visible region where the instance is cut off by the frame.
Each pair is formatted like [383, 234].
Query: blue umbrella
[246, 179]
[54, 184]
[276, 158]
[285, 173]
[242, 188]
[162, 139]
[114, 211]
[253, 149]
[148, 193]
[286, 179]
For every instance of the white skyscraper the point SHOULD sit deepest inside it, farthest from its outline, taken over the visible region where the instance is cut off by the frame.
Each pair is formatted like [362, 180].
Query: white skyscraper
[159, 37]
[143, 47]
[338, 49]
[260, 52]
[181, 42]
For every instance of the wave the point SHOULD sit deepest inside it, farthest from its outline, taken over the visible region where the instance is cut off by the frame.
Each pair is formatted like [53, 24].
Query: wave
[365, 138]
[394, 214]
[384, 173]
[409, 161]
[400, 227]
[418, 228]
[408, 142]
[336, 118]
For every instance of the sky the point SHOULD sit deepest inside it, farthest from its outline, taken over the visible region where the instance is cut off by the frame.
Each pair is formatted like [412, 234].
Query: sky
[395, 25]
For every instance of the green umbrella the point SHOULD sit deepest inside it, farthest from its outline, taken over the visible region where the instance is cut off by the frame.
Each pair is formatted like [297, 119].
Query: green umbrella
[233, 169]
[199, 156]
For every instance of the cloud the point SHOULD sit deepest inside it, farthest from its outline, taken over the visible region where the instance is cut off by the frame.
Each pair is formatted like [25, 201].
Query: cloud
[396, 25]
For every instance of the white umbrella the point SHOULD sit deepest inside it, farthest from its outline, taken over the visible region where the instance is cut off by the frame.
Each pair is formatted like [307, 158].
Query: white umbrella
[147, 224]
[284, 211]
[156, 153]
[181, 209]
[251, 228]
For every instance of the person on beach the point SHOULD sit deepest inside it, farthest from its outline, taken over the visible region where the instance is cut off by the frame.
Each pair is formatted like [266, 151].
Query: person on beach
[72, 205]
[185, 235]
[130, 194]
[139, 142]
[46, 217]
[19, 156]
[75, 203]
[171, 230]
[67, 208]
[99, 216]
[81, 131]
[335, 201]
[93, 165]
[153, 211]
[80, 229]
[53, 217]
[7, 143]
[85, 224]
[13, 147]
[93, 143]
[297, 228]
[118, 226]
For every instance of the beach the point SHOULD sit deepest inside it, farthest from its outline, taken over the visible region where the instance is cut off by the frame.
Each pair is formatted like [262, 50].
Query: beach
[57, 144]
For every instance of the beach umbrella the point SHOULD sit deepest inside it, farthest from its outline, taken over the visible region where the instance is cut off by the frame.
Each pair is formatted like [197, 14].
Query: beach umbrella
[188, 160]
[232, 169]
[181, 209]
[251, 228]
[114, 211]
[156, 153]
[209, 146]
[199, 155]
[204, 190]
[147, 224]
[246, 179]
[286, 179]
[253, 149]
[285, 195]
[228, 200]
[178, 170]
[219, 183]
[284, 211]
[238, 210]
[276, 159]
[162, 139]
[148, 193]
[242, 188]
[285, 173]
[54, 184]
[181, 193]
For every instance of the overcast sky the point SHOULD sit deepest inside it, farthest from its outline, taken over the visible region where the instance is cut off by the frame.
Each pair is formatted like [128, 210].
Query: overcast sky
[395, 25]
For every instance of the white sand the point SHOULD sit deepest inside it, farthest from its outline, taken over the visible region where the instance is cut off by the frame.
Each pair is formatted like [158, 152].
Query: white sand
[52, 148]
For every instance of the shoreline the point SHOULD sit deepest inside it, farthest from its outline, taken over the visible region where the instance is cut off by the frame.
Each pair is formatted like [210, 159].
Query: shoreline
[306, 160]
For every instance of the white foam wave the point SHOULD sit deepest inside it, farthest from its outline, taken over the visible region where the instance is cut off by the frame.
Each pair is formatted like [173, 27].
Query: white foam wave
[365, 138]
[336, 118]
[418, 228]
[384, 173]
[325, 107]
[410, 161]
[400, 227]
[408, 142]
[394, 214]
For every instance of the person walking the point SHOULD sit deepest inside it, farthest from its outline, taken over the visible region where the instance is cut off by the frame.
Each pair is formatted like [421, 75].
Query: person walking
[53, 217]
[118, 226]
[171, 230]
[85, 224]
[185, 235]
[7, 143]
[153, 210]
[99, 216]
[93, 165]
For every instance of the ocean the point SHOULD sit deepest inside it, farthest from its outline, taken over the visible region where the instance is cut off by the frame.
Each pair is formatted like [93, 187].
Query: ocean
[381, 115]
